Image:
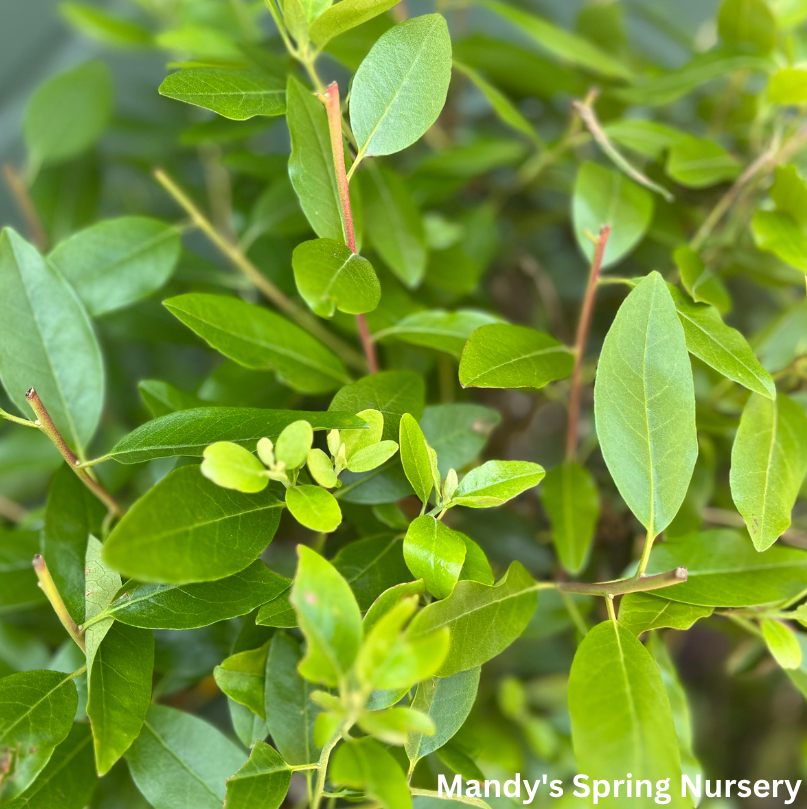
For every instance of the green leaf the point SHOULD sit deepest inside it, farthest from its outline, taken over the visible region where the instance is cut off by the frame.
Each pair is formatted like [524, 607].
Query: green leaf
[366, 765]
[560, 43]
[330, 276]
[747, 22]
[438, 329]
[572, 502]
[181, 759]
[320, 467]
[189, 606]
[190, 432]
[644, 405]
[257, 338]
[294, 443]
[648, 138]
[724, 570]
[483, 620]
[779, 233]
[311, 168]
[457, 432]
[392, 393]
[789, 192]
[262, 783]
[234, 94]
[392, 725]
[434, 553]
[357, 440]
[345, 15]
[641, 612]
[393, 222]
[290, 713]
[329, 619]
[69, 778]
[415, 457]
[720, 346]
[119, 691]
[102, 583]
[496, 482]
[278, 612]
[161, 398]
[605, 197]
[118, 261]
[788, 86]
[389, 599]
[313, 507]
[105, 27]
[701, 283]
[371, 566]
[187, 529]
[18, 582]
[448, 701]
[621, 717]
[782, 643]
[242, 676]
[699, 163]
[768, 465]
[232, 467]
[68, 113]
[400, 87]
[476, 566]
[47, 342]
[364, 460]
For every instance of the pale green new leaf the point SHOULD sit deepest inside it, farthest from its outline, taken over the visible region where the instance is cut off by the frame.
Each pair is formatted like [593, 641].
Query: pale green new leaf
[788, 86]
[232, 467]
[364, 460]
[779, 233]
[415, 457]
[747, 22]
[644, 405]
[262, 783]
[768, 465]
[234, 94]
[393, 725]
[496, 482]
[789, 192]
[344, 16]
[314, 507]
[641, 612]
[435, 553]
[782, 643]
[293, 444]
[320, 467]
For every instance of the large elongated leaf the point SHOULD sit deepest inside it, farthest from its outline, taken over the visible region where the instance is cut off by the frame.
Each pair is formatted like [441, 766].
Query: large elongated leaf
[234, 94]
[768, 465]
[644, 404]
[435, 553]
[257, 338]
[621, 717]
[438, 329]
[118, 262]
[400, 87]
[641, 612]
[47, 342]
[175, 606]
[180, 759]
[187, 529]
[189, 432]
[724, 570]
[505, 356]
[483, 620]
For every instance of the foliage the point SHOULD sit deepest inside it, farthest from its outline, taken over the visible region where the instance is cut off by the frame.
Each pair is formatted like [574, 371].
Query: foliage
[350, 389]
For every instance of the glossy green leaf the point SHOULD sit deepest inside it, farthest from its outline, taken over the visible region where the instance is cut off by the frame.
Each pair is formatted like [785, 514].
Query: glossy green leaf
[718, 345]
[242, 676]
[483, 620]
[119, 689]
[258, 338]
[105, 27]
[187, 529]
[313, 507]
[179, 758]
[496, 482]
[18, 582]
[101, 585]
[262, 783]
[234, 94]
[329, 618]
[572, 501]
[768, 465]
[392, 393]
[320, 467]
[47, 342]
[788, 86]
[188, 606]
[189, 432]
[747, 22]
[371, 566]
[330, 276]
[344, 16]
[393, 222]
[641, 612]
[606, 197]
[700, 282]
[724, 570]
[779, 233]
[448, 701]
[644, 404]
[231, 466]
[438, 329]
[415, 457]
[700, 163]
[389, 599]
[364, 460]
[620, 712]
[365, 764]
[434, 553]
[476, 566]
[118, 261]
[400, 87]
[294, 443]
[782, 644]
[391, 726]
[161, 398]
[68, 113]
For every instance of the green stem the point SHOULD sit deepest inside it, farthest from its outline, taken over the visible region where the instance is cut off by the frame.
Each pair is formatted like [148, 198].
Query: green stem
[48, 587]
[281, 27]
[648, 547]
[574, 613]
[609, 603]
[322, 765]
[17, 419]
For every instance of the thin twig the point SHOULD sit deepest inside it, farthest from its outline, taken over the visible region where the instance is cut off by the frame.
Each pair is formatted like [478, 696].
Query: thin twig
[48, 587]
[580, 343]
[45, 423]
[636, 584]
[12, 511]
[22, 197]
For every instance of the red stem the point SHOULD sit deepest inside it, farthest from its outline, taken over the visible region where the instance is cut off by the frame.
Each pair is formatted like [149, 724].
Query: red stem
[580, 342]
[330, 98]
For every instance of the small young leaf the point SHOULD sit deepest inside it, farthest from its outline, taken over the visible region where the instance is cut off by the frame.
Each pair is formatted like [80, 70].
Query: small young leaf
[782, 643]
[365, 764]
[232, 467]
[434, 553]
[700, 282]
[293, 444]
[242, 676]
[320, 467]
[415, 457]
[747, 22]
[496, 482]
[392, 725]
[262, 783]
[372, 457]
[313, 507]
[641, 612]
